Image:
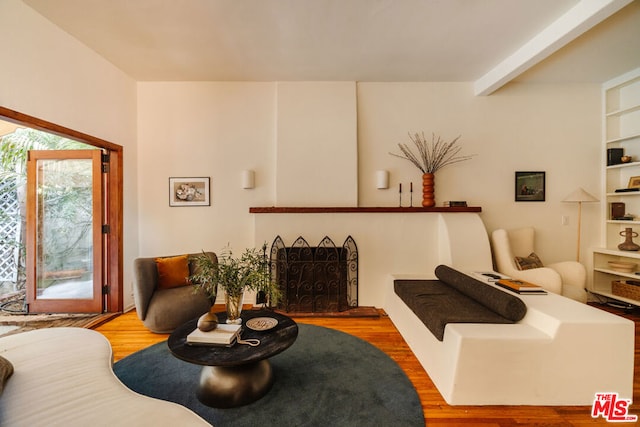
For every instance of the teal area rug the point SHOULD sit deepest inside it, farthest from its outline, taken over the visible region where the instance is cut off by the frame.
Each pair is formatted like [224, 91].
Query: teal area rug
[326, 378]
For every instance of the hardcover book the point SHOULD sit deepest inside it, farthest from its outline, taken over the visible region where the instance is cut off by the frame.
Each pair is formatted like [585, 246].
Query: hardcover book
[520, 286]
[224, 335]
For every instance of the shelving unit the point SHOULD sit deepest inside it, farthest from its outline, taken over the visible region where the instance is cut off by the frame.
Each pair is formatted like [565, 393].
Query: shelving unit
[621, 129]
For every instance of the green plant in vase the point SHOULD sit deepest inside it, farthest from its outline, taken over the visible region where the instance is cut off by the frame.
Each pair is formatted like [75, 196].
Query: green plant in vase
[234, 275]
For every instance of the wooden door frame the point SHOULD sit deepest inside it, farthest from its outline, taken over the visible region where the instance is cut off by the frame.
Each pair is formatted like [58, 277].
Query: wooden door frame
[35, 218]
[114, 194]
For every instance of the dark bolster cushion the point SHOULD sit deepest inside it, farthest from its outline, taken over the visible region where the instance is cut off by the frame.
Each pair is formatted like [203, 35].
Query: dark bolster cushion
[458, 300]
[507, 305]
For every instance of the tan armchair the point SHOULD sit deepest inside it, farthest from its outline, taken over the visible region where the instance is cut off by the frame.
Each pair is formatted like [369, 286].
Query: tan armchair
[164, 309]
[567, 278]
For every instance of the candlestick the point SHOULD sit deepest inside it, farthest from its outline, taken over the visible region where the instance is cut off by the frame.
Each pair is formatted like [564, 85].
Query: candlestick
[400, 193]
[411, 194]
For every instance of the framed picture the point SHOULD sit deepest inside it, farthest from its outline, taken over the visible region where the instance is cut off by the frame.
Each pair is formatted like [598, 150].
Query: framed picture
[530, 187]
[189, 191]
[634, 182]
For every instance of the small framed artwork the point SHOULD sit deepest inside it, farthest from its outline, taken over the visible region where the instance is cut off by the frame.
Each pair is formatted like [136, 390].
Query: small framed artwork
[530, 187]
[634, 182]
[189, 191]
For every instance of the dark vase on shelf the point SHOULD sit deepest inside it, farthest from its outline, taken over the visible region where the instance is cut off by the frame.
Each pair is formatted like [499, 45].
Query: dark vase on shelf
[628, 244]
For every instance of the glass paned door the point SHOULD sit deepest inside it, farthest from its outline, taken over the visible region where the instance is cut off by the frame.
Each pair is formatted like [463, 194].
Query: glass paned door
[64, 231]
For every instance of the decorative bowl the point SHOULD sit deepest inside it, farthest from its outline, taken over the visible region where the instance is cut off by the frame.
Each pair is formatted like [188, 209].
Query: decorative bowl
[626, 159]
[261, 323]
[622, 266]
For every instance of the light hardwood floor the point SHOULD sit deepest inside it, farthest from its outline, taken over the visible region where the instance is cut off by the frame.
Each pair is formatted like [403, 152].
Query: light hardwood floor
[127, 335]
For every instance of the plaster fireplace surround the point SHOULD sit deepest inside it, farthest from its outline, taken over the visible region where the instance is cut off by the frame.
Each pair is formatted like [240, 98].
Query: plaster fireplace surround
[390, 241]
[316, 121]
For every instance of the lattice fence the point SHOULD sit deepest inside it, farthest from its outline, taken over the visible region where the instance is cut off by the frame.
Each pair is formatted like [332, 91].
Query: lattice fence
[9, 232]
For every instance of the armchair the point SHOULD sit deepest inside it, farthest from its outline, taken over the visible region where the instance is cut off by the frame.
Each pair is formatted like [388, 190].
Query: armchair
[162, 309]
[567, 278]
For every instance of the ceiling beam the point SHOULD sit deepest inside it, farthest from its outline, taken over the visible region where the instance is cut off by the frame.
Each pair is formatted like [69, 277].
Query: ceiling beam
[583, 16]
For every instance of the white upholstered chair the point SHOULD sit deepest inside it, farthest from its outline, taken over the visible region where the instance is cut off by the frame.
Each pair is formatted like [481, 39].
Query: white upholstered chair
[567, 278]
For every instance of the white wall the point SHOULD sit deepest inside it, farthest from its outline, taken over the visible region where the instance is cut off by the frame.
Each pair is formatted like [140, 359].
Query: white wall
[317, 143]
[219, 129]
[45, 73]
[212, 130]
[551, 128]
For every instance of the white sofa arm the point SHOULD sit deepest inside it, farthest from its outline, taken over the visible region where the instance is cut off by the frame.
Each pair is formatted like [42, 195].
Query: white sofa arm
[572, 273]
[546, 277]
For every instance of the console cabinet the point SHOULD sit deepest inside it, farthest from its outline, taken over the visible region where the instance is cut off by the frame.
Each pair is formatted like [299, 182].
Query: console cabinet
[621, 130]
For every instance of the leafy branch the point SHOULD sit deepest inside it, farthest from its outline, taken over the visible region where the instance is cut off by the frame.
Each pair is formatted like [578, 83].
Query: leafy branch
[235, 274]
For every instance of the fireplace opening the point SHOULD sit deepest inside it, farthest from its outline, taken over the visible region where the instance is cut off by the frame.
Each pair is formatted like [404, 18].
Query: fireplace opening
[315, 279]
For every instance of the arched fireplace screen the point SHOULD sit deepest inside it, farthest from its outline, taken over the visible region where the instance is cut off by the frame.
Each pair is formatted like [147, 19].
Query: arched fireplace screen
[318, 279]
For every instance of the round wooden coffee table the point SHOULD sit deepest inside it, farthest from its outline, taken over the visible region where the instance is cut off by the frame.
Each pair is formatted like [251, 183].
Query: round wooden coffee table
[240, 374]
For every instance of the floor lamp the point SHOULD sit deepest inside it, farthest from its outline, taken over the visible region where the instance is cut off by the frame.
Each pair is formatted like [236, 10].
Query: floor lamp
[579, 196]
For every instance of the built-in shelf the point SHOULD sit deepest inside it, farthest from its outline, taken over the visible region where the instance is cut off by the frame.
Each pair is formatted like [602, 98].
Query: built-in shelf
[621, 102]
[622, 221]
[623, 111]
[624, 165]
[339, 209]
[624, 193]
[623, 138]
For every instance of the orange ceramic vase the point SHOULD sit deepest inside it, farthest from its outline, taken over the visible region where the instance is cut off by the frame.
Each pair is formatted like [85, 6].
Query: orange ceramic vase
[428, 197]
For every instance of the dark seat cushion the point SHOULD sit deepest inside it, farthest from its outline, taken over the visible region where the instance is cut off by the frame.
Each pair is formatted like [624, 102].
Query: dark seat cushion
[457, 298]
[436, 304]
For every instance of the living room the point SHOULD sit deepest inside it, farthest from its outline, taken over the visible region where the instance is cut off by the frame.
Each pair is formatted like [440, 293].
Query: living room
[219, 129]
[346, 127]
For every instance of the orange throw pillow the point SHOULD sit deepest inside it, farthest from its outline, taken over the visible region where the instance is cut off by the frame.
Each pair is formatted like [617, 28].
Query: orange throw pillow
[172, 271]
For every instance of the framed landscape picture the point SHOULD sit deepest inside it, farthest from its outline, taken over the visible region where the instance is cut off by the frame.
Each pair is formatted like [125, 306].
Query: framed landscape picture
[189, 191]
[530, 187]
[634, 182]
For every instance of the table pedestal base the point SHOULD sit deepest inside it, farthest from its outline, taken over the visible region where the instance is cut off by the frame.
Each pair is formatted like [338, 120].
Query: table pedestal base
[228, 387]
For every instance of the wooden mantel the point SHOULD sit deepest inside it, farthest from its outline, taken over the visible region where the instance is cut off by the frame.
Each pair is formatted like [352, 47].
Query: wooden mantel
[338, 209]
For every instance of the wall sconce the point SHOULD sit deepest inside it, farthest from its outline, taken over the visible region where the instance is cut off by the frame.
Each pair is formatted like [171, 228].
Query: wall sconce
[382, 180]
[248, 179]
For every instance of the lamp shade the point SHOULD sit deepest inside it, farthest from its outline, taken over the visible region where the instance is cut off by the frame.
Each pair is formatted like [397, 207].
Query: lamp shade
[580, 195]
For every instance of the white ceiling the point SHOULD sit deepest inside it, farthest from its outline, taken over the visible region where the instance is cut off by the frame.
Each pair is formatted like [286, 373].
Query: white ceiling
[485, 41]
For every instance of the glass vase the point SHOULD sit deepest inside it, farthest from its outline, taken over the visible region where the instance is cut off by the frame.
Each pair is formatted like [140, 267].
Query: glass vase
[234, 308]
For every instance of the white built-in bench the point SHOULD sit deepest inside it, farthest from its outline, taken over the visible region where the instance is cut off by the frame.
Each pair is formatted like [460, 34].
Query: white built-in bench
[561, 353]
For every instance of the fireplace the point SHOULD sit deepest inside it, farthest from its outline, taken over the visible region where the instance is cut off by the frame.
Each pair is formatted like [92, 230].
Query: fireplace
[315, 279]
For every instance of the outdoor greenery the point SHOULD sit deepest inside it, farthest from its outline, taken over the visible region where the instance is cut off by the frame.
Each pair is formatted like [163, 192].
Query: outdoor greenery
[66, 205]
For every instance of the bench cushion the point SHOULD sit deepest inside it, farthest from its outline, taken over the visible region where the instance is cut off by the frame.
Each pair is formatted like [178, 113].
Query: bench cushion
[457, 298]
[436, 304]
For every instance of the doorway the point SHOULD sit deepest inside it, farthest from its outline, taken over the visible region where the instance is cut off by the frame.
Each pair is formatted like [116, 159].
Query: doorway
[90, 261]
[64, 231]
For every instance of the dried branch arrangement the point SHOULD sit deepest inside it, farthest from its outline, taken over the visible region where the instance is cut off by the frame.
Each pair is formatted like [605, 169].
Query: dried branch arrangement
[433, 155]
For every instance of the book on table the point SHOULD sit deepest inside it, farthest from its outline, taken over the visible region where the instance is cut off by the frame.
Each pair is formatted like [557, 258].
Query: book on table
[520, 286]
[223, 335]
